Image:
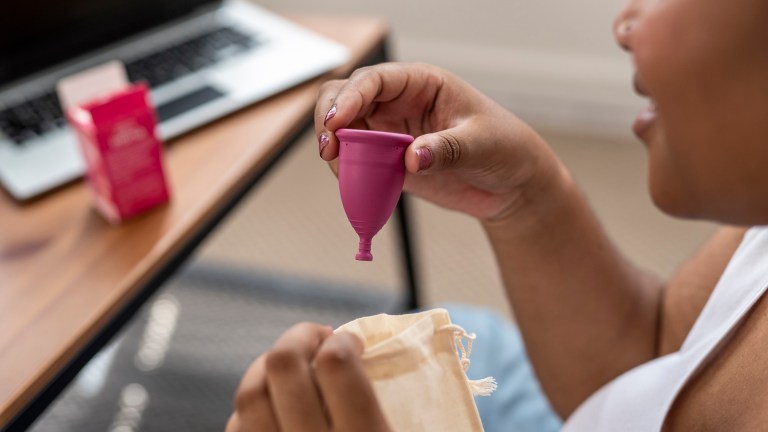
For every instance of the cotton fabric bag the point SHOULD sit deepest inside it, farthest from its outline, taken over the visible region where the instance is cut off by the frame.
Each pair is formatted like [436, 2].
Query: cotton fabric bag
[417, 376]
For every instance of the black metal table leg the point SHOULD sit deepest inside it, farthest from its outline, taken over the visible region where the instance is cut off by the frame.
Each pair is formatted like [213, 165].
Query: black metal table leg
[412, 299]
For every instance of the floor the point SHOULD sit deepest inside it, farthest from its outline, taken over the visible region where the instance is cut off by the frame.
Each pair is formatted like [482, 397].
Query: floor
[294, 223]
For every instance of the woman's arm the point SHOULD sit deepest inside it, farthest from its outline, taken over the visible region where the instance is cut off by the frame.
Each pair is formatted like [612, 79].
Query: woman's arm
[586, 314]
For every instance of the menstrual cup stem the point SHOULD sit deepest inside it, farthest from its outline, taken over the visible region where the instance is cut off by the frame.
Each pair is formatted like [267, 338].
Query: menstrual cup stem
[364, 250]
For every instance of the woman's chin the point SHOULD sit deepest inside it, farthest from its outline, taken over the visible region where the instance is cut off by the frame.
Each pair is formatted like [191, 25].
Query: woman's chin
[671, 201]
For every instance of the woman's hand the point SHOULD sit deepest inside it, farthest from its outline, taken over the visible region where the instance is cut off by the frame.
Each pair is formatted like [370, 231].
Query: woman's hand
[311, 380]
[470, 154]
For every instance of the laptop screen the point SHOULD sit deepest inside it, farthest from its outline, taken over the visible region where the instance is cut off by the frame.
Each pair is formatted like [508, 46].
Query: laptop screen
[35, 34]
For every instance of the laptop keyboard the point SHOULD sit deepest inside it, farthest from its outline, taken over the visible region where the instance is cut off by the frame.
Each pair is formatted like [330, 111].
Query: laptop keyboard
[36, 116]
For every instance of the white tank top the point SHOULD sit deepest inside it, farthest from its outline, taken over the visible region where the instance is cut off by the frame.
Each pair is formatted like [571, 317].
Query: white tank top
[639, 399]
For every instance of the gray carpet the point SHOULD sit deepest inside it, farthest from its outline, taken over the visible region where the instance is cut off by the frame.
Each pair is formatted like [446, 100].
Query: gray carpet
[178, 363]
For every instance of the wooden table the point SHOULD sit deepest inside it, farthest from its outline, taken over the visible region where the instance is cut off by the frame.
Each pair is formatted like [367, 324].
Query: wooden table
[69, 281]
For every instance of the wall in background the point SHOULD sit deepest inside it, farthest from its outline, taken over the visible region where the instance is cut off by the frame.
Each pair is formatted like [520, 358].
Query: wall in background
[553, 62]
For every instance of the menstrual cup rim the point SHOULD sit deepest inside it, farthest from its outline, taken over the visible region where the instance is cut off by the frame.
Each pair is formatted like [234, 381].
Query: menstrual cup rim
[373, 137]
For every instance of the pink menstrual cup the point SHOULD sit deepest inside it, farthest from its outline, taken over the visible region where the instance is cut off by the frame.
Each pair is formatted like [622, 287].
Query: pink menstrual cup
[371, 176]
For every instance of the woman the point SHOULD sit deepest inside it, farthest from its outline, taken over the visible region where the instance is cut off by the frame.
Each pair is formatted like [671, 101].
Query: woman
[613, 348]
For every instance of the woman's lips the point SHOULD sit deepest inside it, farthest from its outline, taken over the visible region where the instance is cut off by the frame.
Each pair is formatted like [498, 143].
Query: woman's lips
[645, 120]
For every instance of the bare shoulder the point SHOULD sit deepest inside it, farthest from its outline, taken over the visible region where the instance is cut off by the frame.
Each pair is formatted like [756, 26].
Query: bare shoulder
[729, 392]
[688, 290]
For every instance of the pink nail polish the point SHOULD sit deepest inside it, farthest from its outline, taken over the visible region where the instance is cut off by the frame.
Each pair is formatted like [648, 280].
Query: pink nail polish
[425, 158]
[324, 141]
[330, 115]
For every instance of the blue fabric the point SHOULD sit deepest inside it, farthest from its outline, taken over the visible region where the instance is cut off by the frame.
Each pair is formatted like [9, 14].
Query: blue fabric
[518, 404]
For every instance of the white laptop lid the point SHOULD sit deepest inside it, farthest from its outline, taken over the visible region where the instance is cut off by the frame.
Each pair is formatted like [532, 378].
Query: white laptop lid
[286, 56]
[36, 35]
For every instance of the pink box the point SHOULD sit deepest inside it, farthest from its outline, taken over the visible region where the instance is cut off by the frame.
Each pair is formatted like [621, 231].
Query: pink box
[123, 154]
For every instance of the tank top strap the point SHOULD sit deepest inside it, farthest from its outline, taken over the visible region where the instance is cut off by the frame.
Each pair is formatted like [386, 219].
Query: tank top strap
[742, 283]
[640, 399]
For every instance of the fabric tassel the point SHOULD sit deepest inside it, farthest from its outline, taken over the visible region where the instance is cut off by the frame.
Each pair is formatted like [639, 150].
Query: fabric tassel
[481, 387]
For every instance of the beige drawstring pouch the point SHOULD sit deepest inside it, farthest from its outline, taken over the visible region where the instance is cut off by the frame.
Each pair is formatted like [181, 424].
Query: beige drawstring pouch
[418, 377]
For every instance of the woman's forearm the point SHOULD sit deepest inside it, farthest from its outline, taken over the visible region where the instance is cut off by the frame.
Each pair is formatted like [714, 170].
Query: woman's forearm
[586, 314]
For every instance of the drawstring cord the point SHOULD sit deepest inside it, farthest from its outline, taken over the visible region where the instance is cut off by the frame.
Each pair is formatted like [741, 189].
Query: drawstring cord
[459, 335]
[481, 387]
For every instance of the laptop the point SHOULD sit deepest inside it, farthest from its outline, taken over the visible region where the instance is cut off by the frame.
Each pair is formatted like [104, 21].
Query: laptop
[202, 59]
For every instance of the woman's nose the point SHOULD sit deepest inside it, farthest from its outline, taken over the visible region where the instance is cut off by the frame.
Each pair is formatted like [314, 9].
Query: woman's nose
[625, 22]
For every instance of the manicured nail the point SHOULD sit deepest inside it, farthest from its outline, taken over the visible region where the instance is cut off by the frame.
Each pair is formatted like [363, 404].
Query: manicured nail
[425, 158]
[331, 113]
[324, 141]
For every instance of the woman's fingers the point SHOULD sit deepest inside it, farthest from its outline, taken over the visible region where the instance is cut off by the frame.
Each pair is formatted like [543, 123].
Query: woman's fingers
[253, 410]
[346, 389]
[344, 103]
[233, 424]
[292, 389]
[340, 104]
[278, 393]
[358, 93]
[325, 110]
[436, 150]
[311, 380]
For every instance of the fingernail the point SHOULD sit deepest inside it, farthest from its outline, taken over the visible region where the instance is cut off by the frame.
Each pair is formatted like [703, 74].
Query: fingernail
[324, 141]
[425, 158]
[331, 113]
